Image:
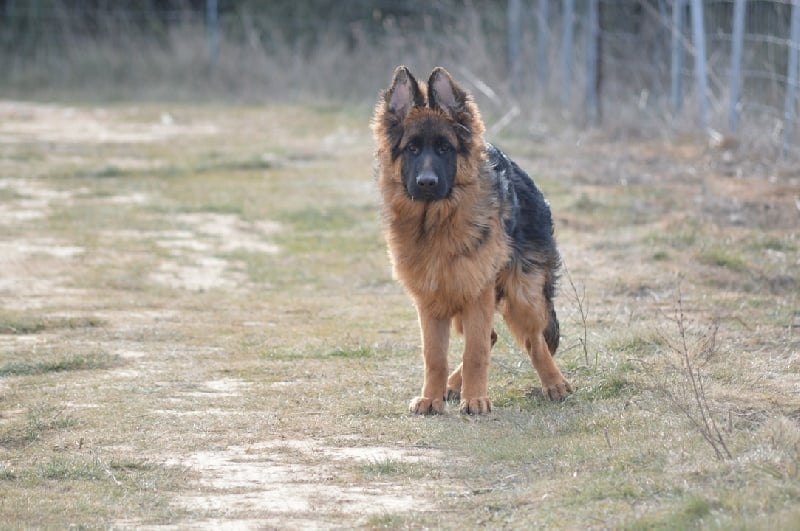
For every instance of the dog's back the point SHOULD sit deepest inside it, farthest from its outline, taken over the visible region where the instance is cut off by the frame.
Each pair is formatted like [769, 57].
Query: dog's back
[529, 226]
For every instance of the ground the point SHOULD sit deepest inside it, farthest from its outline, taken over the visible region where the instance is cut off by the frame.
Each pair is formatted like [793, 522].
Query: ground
[199, 328]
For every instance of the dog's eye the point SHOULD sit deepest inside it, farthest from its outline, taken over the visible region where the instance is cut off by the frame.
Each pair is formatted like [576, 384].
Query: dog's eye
[443, 148]
[412, 148]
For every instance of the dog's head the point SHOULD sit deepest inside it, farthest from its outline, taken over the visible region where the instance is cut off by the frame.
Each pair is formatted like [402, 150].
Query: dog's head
[427, 129]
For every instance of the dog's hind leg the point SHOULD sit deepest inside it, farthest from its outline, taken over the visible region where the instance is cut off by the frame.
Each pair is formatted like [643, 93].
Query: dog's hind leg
[454, 385]
[528, 317]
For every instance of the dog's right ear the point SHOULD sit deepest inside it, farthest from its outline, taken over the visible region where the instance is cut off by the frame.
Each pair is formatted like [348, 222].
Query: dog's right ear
[404, 94]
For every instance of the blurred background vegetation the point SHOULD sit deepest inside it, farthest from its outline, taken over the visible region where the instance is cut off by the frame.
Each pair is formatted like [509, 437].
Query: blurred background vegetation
[522, 62]
[307, 50]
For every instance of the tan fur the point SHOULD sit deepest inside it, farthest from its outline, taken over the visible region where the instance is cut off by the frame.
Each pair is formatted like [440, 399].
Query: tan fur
[447, 279]
[525, 313]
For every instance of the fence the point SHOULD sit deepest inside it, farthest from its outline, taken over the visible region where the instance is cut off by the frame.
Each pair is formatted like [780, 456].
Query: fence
[742, 57]
[727, 66]
[743, 52]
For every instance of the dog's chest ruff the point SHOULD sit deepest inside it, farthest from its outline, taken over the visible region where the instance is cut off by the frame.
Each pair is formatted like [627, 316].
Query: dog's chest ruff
[446, 254]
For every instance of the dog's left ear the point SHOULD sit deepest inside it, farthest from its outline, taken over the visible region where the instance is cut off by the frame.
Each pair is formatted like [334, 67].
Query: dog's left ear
[444, 94]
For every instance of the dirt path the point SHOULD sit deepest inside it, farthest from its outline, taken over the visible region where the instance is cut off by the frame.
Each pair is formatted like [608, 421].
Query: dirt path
[199, 330]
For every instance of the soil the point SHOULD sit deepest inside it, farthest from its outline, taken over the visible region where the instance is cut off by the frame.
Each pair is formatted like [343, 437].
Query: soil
[289, 477]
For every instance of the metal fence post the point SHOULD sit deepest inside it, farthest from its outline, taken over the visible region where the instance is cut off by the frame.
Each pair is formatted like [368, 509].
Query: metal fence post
[543, 44]
[676, 68]
[790, 101]
[736, 64]
[515, 44]
[700, 74]
[566, 51]
[212, 30]
[592, 58]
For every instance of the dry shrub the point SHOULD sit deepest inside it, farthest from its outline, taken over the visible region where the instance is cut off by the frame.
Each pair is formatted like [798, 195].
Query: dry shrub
[682, 380]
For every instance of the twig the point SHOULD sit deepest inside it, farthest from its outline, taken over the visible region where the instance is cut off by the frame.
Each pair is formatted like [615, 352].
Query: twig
[481, 85]
[503, 122]
[105, 467]
[584, 314]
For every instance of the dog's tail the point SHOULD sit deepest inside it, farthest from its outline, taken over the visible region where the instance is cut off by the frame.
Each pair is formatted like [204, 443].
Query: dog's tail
[552, 332]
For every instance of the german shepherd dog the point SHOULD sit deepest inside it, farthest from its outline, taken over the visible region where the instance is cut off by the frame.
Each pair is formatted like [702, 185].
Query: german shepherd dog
[468, 231]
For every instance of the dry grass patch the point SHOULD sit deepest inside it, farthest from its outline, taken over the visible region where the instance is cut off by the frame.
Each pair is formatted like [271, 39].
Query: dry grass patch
[201, 329]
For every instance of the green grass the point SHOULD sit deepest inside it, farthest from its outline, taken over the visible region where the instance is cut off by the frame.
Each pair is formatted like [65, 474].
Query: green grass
[388, 469]
[39, 420]
[357, 352]
[688, 514]
[77, 362]
[26, 323]
[724, 257]
[637, 343]
[71, 469]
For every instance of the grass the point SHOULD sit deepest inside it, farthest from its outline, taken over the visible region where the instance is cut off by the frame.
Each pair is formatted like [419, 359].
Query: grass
[62, 469]
[230, 332]
[388, 469]
[27, 323]
[75, 362]
[723, 257]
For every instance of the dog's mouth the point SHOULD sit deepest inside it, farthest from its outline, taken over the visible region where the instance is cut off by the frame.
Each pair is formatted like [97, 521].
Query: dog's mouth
[426, 195]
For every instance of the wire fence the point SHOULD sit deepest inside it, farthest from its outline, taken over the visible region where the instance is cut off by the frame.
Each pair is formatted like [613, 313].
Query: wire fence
[717, 64]
[726, 67]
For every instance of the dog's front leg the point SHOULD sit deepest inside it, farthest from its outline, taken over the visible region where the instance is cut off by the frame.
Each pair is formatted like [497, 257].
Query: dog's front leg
[477, 322]
[435, 340]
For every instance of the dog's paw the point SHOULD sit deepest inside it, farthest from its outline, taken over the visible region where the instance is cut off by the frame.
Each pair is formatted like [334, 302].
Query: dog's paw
[476, 406]
[557, 391]
[453, 395]
[426, 406]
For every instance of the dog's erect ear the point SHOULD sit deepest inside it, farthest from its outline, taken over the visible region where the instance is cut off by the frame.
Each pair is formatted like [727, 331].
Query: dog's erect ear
[404, 93]
[444, 94]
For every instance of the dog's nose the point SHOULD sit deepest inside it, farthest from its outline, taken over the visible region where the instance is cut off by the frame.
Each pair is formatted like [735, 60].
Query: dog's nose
[427, 179]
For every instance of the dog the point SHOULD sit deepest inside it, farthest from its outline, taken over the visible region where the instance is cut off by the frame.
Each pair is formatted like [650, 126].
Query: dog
[468, 232]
